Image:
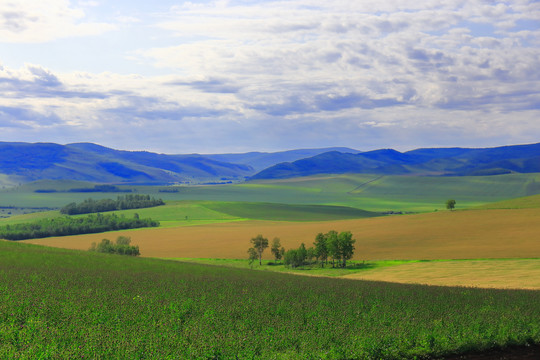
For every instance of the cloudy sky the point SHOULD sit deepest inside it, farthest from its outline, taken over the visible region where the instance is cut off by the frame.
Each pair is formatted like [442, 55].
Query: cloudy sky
[243, 75]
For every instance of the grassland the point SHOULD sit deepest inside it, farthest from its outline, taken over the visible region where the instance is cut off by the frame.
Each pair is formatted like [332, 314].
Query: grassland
[289, 212]
[481, 273]
[57, 303]
[366, 192]
[222, 229]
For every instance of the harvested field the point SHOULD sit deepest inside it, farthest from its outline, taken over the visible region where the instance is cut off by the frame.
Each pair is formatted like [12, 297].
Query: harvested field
[517, 274]
[470, 234]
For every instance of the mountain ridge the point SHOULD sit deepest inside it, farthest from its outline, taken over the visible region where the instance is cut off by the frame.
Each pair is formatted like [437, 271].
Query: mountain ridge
[429, 161]
[85, 161]
[25, 162]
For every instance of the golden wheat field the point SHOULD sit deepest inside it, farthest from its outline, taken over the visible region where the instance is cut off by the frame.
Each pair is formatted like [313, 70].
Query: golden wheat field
[469, 234]
[514, 273]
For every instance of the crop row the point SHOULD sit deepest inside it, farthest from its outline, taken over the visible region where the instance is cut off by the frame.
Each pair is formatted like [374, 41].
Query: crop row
[66, 304]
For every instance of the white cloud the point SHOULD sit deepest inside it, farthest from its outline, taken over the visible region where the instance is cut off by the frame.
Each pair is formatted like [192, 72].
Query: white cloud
[33, 21]
[283, 74]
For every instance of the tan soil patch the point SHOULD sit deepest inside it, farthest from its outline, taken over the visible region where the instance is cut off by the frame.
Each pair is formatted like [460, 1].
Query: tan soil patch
[441, 235]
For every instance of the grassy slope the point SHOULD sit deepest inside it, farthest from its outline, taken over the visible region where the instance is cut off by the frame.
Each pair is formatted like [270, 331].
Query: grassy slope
[289, 212]
[189, 213]
[499, 233]
[63, 304]
[368, 192]
[526, 202]
[483, 273]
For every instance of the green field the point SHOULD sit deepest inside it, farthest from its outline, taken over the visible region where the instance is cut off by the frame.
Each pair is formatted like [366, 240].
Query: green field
[190, 213]
[289, 212]
[76, 304]
[69, 304]
[367, 192]
[483, 273]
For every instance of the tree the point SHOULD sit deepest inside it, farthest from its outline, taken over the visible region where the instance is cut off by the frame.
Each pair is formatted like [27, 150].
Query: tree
[450, 204]
[333, 246]
[346, 246]
[252, 253]
[321, 247]
[121, 247]
[123, 240]
[339, 246]
[302, 254]
[260, 243]
[291, 258]
[277, 249]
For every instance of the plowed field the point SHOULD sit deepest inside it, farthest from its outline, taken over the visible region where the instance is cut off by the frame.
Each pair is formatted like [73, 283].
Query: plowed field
[473, 234]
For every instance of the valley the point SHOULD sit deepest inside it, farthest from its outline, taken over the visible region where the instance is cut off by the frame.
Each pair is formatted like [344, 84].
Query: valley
[407, 242]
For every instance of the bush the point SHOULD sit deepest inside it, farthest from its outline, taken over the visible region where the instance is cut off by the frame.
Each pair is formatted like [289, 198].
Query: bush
[121, 203]
[121, 247]
[64, 226]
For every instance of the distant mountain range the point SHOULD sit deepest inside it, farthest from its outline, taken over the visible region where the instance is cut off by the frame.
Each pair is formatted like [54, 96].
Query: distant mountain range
[24, 162]
[435, 161]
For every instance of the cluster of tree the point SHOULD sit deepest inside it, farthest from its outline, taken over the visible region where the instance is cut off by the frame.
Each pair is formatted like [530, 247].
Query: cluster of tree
[99, 188]
[132, 201]
[121, 246]
[337, 246]
[65, 225]
[260, 243]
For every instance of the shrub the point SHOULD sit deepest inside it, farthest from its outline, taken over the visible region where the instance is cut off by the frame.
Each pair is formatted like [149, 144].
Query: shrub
[121, 247]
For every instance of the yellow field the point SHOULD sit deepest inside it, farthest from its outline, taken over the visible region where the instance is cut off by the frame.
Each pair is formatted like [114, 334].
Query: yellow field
[500, 233]
[522, 273]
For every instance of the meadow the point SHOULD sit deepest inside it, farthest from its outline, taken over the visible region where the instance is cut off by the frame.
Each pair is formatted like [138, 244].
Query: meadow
[194, 309]
[57, 303]
[366, 192]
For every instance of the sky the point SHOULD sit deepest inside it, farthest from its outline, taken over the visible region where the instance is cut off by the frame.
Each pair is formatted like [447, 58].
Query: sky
[228, 76]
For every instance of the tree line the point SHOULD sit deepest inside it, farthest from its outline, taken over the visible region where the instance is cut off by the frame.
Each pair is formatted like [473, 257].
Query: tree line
[121, 247]
[65, 225]
[339, 247]
[131, 201]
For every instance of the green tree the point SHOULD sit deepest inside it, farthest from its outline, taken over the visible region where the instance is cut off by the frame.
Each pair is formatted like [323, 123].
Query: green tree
[346, 246]
[252, 255]
[260, 243]
[123, 240]
[450, 204]
[277, 249]
[302, 254]
[291, 258]
[333, 246]
[311, 254]
[321, 248]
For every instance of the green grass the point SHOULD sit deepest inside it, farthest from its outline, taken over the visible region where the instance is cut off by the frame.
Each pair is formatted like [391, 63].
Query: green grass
[189, 213]
[367, 192]
[289, 212]
[353, 266]
[66, 304]
[527, 202]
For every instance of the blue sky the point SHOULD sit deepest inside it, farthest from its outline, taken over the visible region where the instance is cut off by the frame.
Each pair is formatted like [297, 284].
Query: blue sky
[234, 76]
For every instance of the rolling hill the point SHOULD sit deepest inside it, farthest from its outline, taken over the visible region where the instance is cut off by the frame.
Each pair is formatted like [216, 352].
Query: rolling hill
[91, 162]
[262, 160]
[24, 162]
[436, 161]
